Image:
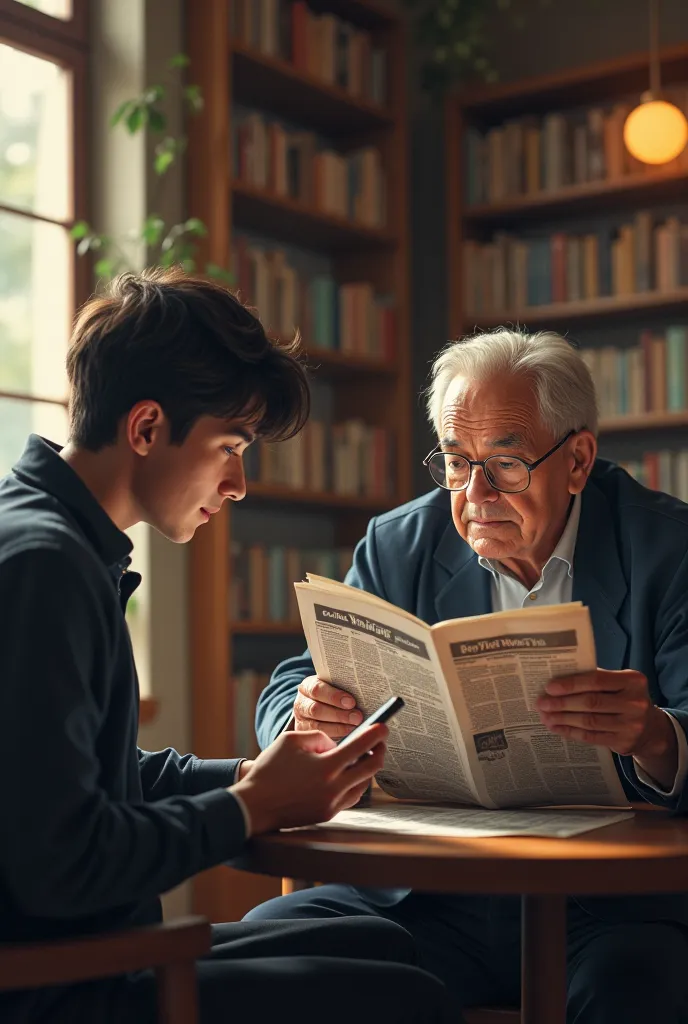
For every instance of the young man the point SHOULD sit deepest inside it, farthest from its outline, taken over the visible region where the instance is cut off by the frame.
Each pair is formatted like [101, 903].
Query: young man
[171, 378]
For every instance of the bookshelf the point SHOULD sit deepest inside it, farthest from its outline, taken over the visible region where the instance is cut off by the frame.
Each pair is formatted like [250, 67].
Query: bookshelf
[552, 224]
[244, 66]
[605, 307]
[286, 219]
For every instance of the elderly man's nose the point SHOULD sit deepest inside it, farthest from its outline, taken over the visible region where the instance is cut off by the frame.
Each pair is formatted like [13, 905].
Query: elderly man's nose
[479, 487]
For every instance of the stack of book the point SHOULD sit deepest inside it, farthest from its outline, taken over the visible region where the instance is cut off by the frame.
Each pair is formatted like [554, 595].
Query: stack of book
[291, 164]
[349, 318]
[662, 471]
[349, 458]
[262, 578]
[322, 45]
[512, 273]
[529, 155]
[649, 377]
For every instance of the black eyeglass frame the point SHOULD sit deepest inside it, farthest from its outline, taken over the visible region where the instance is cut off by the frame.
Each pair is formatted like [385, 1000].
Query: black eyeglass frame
[530, 466]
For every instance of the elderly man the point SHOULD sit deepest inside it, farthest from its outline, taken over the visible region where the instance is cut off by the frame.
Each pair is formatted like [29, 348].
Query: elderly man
[532, 517]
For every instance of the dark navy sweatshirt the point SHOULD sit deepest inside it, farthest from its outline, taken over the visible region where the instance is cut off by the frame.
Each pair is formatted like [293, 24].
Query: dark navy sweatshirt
[93, 828]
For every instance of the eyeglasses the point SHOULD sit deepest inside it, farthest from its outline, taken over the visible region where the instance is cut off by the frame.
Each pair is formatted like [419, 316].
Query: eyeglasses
[507, 473]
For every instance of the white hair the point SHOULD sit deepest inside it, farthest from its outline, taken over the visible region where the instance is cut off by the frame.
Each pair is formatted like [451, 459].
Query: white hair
[562, 382]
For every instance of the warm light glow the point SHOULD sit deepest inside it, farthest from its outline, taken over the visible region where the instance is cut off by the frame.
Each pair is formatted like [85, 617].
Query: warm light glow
[655, 132]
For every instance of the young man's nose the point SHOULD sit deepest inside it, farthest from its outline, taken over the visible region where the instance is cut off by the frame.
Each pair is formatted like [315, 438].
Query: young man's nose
[234, 484]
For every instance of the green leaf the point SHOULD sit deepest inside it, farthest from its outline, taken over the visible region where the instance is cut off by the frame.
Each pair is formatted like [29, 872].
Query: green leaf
[163, 161]
[120, 112]
[84, 245]
[167, 259]
[165, 153]
[196, 227]
[104, 268]
[80, 229]
[152, 230]
[153, 95]
[194, 97]
[135, 119]
[216, 271]
[157, 121]
[188, 265]
[180, 60]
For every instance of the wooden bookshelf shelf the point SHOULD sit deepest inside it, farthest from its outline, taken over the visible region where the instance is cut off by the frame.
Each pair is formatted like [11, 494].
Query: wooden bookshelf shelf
[288, 219]
[234, 78]
[590, 309]
[584, 86]
[325, 499]
[333, 363]
[280, 88]
[644, 421]
[591, 197]
[247, 628]
[601, 85]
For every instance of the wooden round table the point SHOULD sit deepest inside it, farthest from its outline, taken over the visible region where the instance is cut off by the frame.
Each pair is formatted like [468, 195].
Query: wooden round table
[641, 855]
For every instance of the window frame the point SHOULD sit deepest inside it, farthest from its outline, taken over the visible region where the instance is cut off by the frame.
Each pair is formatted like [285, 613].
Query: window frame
[73, 31]
[65, 43]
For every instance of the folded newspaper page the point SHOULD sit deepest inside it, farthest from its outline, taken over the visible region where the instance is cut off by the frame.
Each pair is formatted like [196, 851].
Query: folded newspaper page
[473, 822]
[470, 732]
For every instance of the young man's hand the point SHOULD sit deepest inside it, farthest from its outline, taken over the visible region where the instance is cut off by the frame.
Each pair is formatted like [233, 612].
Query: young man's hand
[319, 705]
[304, 777]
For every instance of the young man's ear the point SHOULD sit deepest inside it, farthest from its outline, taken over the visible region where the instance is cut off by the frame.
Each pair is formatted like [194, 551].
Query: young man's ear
[145, 425]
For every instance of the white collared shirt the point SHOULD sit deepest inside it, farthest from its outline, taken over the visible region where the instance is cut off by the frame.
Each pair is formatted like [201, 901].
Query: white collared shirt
[555, 586]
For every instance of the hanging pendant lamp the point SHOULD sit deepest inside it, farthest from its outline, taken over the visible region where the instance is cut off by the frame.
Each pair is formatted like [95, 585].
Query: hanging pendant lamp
[656, 131]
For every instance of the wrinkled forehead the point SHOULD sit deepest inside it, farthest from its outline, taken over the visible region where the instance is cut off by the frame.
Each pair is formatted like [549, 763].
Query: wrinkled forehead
[497, 408]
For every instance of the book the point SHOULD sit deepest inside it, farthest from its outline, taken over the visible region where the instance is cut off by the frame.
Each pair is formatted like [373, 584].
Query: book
[625, 260]
[649, 377]
[469, 732]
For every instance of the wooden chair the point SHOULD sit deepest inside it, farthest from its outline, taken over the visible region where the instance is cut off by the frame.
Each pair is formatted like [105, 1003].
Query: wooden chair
[171, 949]
[475, 1016]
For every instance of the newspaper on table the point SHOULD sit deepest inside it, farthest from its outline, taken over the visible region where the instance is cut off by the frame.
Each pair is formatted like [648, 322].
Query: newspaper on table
[409, 819]
[469, 732]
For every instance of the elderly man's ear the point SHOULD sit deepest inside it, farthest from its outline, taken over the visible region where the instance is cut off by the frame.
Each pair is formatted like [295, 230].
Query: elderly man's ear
[583, 455]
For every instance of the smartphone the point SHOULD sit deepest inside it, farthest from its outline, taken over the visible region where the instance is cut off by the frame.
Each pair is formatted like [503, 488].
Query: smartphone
[383, 713]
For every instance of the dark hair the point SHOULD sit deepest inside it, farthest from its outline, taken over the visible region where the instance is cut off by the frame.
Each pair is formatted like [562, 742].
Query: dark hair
[187, 343]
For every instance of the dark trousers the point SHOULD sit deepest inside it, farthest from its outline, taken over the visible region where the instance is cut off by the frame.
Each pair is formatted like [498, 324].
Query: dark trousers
[343, 971]
[618, 973]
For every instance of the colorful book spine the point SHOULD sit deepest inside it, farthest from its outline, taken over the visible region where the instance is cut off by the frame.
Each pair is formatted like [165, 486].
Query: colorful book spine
[633, 258]
[293, 164]
[263, 576]
[348, 458]
[650, 377]
[528, 155]
[351, 317]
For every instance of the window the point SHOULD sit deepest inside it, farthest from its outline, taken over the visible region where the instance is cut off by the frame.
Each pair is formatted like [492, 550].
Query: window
[56, 8]
[42, 68]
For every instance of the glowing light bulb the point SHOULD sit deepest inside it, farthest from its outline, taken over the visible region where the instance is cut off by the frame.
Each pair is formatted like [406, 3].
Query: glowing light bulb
[655, 132]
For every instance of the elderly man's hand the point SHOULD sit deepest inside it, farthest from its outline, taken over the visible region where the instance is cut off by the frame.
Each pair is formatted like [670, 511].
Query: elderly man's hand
[318, 706]
[614, 710]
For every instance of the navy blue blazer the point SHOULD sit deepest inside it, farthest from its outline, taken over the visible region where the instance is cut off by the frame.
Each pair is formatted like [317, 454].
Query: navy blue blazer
[630, 569]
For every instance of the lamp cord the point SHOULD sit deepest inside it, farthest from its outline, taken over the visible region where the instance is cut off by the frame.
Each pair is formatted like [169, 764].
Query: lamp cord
[654, 49]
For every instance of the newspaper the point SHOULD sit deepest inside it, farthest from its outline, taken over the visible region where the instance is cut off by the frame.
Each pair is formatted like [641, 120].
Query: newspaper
[469, 732]
[474, 823]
